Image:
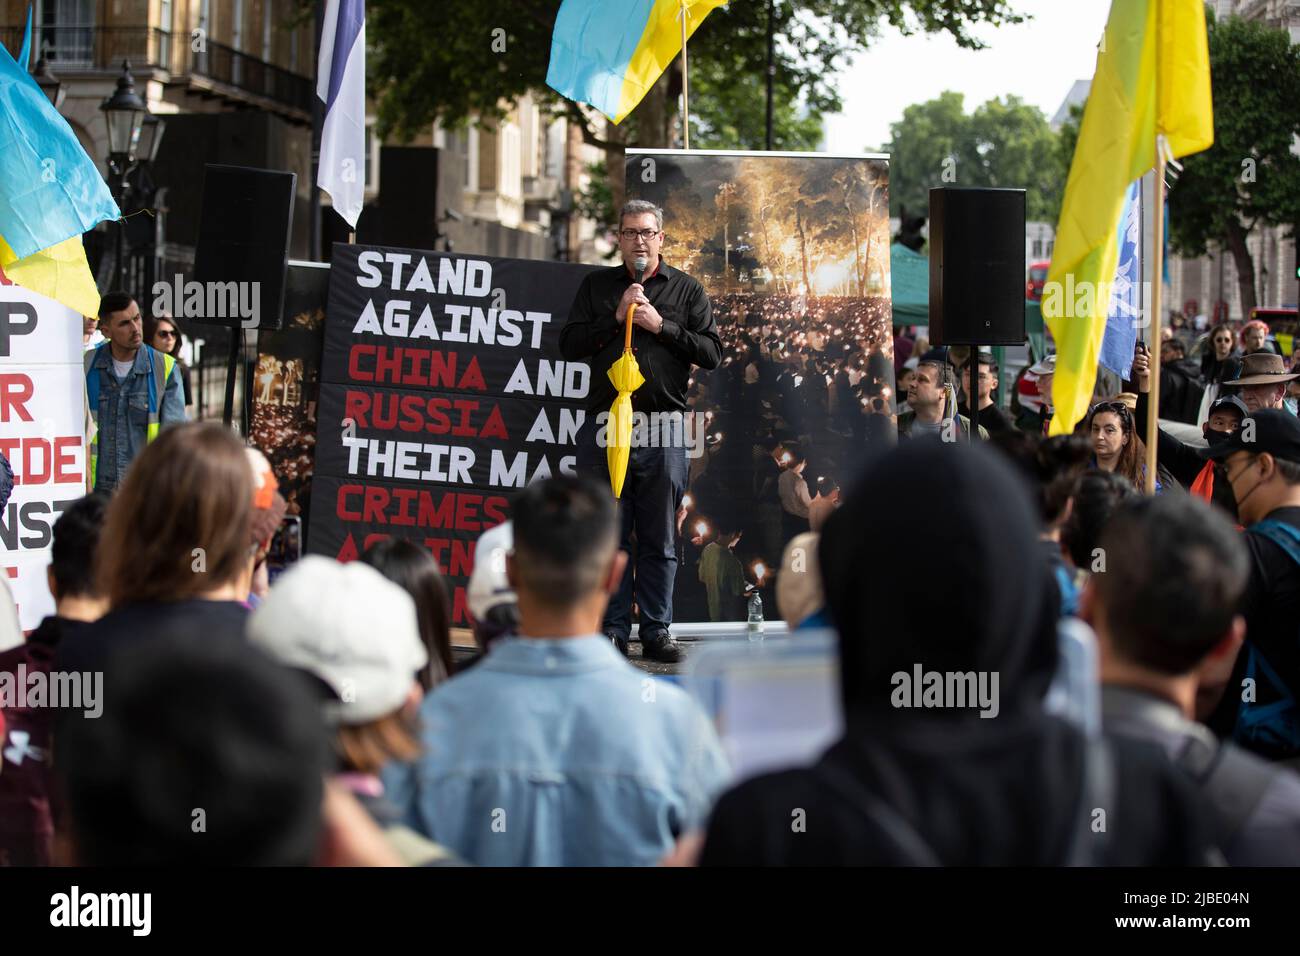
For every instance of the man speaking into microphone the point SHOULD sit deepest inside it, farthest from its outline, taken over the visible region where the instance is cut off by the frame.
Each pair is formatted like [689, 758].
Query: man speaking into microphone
[673, 330]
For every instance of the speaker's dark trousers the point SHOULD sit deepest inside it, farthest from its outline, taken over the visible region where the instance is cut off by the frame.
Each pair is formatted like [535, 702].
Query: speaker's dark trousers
[652, 493]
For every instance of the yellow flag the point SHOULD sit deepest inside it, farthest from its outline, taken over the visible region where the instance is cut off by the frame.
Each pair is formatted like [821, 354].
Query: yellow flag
[60, 273]
[1152, 80]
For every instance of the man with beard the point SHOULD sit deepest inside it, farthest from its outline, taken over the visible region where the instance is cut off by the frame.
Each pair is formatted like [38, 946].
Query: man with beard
[1205, 479]
[132, 390]
[673, 330]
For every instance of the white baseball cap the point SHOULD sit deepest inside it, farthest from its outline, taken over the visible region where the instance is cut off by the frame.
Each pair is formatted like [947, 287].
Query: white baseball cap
[488, 587]
[349, 626]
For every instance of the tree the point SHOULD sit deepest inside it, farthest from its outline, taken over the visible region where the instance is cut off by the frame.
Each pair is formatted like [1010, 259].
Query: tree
[1004, 143]
[457, 60]
[1250, 175]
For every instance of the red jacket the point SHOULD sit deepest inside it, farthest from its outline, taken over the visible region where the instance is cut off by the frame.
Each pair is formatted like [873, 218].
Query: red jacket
[26, 777]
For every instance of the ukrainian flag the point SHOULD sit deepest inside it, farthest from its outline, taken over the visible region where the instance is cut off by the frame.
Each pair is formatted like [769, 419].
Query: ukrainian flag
[1152, 85]
[609, 54]
[50, 192]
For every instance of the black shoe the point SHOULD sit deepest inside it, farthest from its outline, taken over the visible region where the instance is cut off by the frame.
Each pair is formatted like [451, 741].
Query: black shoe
[661, 647]
[618, 641]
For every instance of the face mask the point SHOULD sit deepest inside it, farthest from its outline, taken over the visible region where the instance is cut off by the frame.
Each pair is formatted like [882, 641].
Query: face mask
[1291, 404]
[1213, 438]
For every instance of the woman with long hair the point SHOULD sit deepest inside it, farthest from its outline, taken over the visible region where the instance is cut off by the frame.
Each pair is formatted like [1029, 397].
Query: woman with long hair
[416, 571]
[1218, 362]
[176, 556]
[164, 333]
[1116, 446]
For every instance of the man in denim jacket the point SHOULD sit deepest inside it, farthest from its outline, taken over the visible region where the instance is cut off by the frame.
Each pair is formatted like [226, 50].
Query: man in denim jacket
[131, 391]
[554, 750]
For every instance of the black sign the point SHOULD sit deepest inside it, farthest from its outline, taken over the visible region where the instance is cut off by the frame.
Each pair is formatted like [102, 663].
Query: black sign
[443, 394]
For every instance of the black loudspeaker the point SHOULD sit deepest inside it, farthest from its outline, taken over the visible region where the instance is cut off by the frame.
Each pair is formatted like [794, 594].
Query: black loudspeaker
[977, 266]
[244, 233]
[408, 197]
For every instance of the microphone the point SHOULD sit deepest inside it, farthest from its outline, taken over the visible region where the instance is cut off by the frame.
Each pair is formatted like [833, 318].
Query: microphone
[640, 265]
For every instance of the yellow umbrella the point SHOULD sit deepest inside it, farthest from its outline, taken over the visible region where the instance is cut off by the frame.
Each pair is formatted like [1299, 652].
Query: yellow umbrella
[627, 378]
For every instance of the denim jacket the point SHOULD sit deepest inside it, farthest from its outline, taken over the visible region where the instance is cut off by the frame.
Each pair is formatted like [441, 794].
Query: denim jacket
[124, 411]
[559, 753]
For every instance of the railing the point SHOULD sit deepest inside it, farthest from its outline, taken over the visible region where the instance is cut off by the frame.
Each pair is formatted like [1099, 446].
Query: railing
[227, 65]
[69, 49]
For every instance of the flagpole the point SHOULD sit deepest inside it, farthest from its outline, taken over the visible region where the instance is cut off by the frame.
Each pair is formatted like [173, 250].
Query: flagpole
[686, 94]
[1157, 283]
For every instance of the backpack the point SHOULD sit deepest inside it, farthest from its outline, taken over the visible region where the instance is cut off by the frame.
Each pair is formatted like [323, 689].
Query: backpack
[1274, 725]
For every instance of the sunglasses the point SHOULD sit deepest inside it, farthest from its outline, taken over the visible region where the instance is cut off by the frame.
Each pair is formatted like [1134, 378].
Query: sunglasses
[1118, 408]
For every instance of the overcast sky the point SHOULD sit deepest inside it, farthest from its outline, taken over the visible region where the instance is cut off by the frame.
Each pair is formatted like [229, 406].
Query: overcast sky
[1038, 60]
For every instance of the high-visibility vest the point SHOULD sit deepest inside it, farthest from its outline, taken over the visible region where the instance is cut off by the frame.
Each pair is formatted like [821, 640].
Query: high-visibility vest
[161, 372]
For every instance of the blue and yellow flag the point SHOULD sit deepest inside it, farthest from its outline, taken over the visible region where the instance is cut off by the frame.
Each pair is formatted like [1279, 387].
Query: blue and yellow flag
[50, 189]
[50, 192]
[1152, 81]
[609, 54]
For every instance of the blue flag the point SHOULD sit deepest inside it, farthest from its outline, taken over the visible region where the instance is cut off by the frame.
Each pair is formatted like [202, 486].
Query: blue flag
[1126, 296]
[50, 189]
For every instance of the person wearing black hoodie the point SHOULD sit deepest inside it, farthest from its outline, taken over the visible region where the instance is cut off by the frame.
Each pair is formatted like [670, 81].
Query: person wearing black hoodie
[944, 785]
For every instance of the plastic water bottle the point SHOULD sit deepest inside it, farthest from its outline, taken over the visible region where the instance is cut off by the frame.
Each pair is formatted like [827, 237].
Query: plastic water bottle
[755, 625]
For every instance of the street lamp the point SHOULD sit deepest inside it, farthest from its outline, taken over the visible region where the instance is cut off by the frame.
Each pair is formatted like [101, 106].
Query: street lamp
[151, 134]
[124, 113]
[49, 83]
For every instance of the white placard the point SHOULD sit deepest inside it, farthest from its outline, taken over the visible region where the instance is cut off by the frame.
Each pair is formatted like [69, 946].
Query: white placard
[42, 416]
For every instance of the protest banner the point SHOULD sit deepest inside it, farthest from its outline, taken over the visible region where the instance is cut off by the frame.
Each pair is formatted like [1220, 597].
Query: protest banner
[442, 394]
[42, 420]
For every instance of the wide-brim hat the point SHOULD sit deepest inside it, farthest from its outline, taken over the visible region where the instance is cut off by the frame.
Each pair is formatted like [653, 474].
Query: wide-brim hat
[1263, 368]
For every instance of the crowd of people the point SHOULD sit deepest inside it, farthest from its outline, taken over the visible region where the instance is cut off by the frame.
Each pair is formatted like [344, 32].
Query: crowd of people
[323, 720]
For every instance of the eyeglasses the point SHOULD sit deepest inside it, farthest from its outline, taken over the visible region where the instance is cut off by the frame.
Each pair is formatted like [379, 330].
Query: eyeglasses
[630, 234]
[165, 334]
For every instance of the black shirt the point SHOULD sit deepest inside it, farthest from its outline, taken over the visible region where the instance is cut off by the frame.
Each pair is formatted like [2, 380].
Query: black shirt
[995, 806]
[992, 418]
[689, 336]
[1271, 606]
[133, 624]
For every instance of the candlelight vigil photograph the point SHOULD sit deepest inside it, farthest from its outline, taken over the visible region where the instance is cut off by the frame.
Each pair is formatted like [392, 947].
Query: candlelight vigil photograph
[793, 253]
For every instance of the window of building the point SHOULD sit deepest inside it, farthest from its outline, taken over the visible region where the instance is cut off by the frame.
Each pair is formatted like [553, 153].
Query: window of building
[65, 32]
[371, 155]
[268, 54]
[471, 158]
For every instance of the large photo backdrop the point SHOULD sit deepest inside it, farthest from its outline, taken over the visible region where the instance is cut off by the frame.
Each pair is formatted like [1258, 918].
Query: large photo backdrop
[793, 250]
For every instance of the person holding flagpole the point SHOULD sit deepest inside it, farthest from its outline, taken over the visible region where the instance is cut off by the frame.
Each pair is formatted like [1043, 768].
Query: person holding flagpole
[1150, 103]
[673, 330]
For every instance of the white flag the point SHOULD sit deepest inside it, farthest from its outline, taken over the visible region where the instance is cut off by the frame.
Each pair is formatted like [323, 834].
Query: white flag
[341, 85]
